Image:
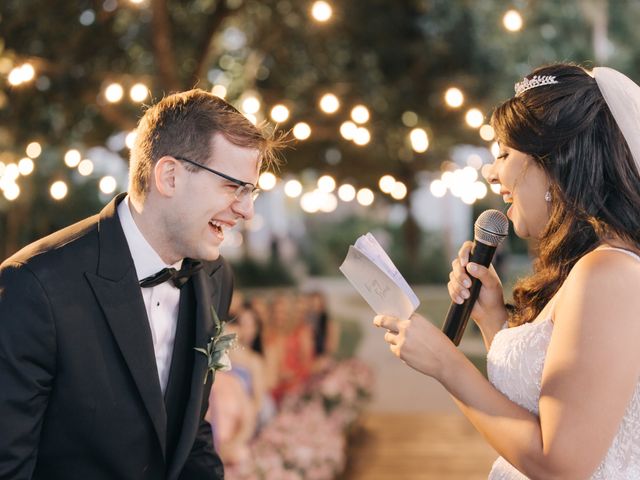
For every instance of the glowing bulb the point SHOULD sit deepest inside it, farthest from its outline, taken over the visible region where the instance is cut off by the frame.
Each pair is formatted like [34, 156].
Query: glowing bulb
[114, 93]
[251, 105]
[11, 172]
[365, 197]
[27, 72]
[474, 118]
[399, 191]
[326, 184]
[267, 181]
[15, 77]
[495, 188]
[438, 188]
[454, 97]
[387, 183]
[72, 158]
[58, 190]
[348, 130]
[469, 174]
[11, 191]
[219, 91]
[279, 113]
[419, 140]
[108, 184]
[361, 136]
[487, 133]
[34, 150]
[468, 197]
[139, 92]
[360, 114]
[512, 20]
[302, 131]
[293, 188]
[347, 192]
[25, 166]
[329, 103]
[321, 11]
[479, 190]
[85, 167]
[310, 202]
[328, 202]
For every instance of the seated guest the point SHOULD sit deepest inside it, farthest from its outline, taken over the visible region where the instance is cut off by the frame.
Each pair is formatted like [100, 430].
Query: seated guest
[232, 416]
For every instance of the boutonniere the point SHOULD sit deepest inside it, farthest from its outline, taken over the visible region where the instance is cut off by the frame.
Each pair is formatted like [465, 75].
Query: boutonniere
[217, 350]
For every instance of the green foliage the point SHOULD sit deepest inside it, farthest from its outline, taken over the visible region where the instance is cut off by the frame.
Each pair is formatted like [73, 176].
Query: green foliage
[250, 272]
[327, 243]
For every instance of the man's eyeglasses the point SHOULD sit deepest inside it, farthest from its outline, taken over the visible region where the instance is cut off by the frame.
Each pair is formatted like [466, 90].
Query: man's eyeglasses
[244, 190]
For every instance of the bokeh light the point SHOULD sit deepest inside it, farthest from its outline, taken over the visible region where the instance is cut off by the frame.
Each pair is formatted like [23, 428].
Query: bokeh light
[114, 93]
[302, 131]
[419, 140]
[512, 20]
[72, 158]
[279, 113]
[267, 181]
[474, 118]
[386, 183]
[33, 150]
[58, 190]
[329, 103]
[326, 184]
[360, 114]
[108, 184]
[321, 11]
[139, 92]
[293, 189]
[365, 197]
[347, 192]
[454, 97]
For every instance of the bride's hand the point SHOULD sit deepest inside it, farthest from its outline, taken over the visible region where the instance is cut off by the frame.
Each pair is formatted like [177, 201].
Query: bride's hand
[419, 343]
[489, 310]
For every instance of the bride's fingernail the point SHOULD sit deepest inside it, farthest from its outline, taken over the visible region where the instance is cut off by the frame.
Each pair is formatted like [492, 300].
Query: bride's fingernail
[467, 283]
[472, 267]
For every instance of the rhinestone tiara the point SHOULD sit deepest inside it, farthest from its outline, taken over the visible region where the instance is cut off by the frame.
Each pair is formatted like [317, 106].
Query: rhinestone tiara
[533, 82]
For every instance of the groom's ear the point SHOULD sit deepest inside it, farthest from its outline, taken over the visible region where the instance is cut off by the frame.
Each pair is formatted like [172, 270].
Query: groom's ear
[164, 175]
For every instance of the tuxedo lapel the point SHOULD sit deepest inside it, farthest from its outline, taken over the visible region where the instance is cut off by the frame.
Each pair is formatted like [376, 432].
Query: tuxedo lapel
[206, 285]
[116, 287]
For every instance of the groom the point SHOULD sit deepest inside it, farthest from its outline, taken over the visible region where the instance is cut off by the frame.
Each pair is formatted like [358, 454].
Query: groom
[99, 378]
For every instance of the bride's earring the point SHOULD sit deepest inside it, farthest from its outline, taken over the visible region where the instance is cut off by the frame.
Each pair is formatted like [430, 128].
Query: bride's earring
[547, 196]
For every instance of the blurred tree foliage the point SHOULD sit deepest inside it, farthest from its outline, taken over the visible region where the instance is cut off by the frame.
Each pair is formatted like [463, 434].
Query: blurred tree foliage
[393, 56]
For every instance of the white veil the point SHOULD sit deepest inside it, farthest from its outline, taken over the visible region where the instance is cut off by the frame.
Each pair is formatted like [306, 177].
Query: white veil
[623, 99]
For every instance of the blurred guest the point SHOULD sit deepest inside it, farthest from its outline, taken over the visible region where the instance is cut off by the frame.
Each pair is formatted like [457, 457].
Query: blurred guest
[289, 346]
[232, 416]
[325, 333]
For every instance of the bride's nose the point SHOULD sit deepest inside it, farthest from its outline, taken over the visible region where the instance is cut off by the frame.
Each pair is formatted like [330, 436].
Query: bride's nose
[489, 173]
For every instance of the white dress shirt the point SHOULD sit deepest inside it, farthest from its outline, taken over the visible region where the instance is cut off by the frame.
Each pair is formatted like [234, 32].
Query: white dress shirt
[161, 301]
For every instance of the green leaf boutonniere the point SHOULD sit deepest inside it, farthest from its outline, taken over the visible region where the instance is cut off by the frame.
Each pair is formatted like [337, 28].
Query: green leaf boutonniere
[217, 350]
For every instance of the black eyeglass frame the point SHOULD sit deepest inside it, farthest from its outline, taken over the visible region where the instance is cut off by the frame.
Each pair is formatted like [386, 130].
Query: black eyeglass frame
[242, 185]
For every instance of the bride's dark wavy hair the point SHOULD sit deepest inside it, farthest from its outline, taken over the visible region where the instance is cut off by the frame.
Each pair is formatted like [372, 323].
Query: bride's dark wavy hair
[595, 185]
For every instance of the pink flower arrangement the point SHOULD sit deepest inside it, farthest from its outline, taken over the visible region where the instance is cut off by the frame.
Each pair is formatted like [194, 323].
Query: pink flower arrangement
[306, 439]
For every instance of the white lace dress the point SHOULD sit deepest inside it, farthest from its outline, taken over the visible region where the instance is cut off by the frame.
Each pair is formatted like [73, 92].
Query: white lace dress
[514, 366]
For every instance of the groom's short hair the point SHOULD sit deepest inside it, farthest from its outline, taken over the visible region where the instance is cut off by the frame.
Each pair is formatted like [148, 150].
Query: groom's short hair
[183, 125]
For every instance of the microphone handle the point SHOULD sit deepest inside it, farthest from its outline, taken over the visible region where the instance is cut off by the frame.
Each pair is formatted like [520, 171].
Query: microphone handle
[458, 314]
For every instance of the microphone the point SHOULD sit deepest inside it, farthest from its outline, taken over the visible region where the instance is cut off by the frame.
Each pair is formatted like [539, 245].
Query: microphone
[490, 229]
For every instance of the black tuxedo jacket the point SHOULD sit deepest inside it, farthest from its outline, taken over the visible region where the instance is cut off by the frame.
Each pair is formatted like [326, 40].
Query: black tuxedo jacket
[79, 391]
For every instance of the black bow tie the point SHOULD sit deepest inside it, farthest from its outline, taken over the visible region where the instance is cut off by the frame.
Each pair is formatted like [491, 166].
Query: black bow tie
[178, 277]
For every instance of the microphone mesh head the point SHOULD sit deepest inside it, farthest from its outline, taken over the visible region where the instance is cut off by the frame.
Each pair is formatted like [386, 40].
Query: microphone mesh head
[491, 227]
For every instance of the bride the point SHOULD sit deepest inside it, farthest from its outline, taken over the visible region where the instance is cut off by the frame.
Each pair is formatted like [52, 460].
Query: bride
[563, 396]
